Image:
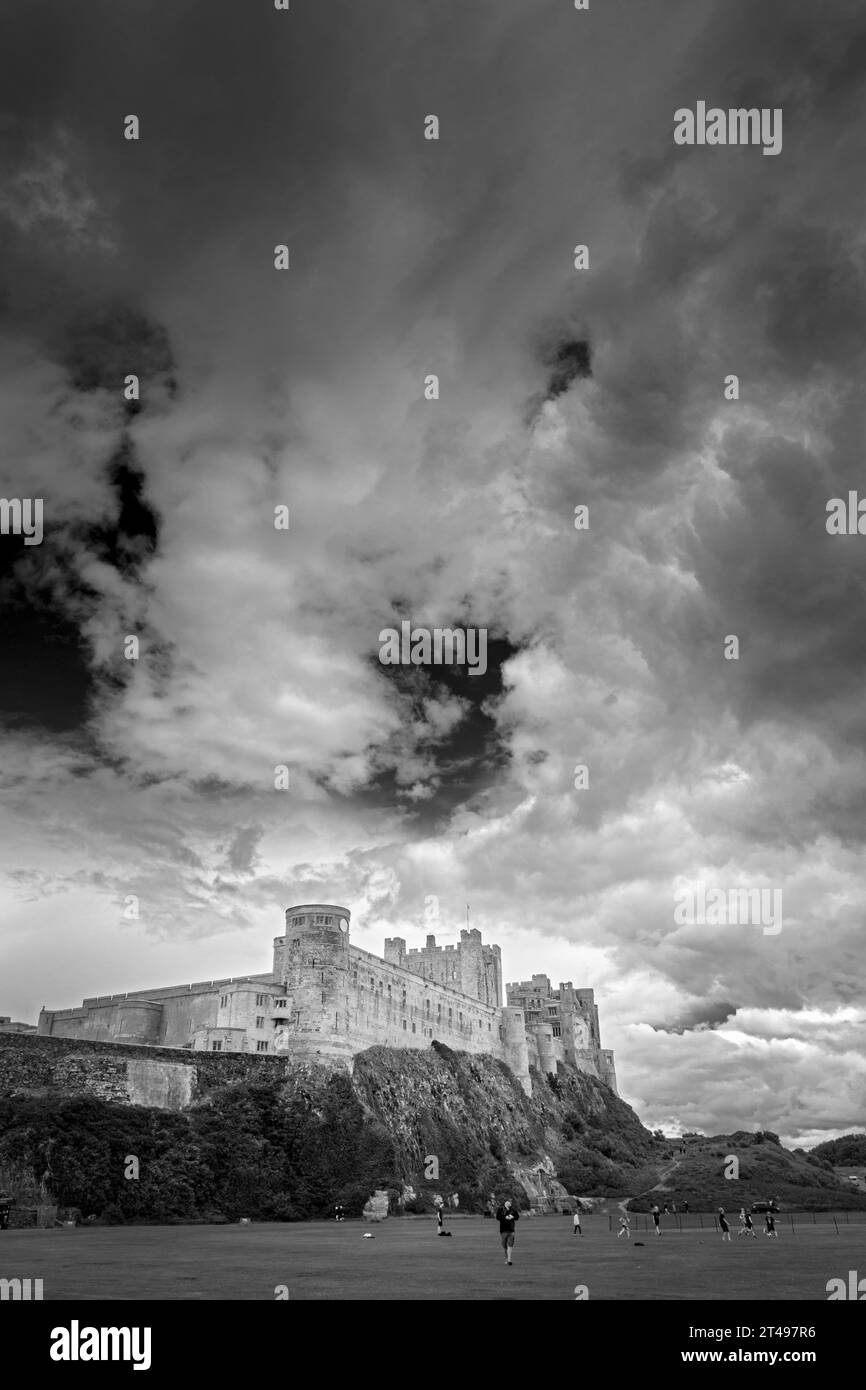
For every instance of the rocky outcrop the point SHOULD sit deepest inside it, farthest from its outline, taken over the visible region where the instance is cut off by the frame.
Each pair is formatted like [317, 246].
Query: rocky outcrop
[286, 1137]
[463, 1124]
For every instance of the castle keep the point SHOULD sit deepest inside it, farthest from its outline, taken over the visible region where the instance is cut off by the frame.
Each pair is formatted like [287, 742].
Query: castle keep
[327, 1000]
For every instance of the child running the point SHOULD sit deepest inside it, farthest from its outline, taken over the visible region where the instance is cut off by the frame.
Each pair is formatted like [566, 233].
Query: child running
[624, 1228]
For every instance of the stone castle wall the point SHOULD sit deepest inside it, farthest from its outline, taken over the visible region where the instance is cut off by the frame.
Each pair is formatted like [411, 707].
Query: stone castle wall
[131, 1075]
[327, 1000]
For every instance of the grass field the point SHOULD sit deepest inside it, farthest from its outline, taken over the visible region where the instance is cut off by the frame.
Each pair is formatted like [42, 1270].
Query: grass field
[406, 1260]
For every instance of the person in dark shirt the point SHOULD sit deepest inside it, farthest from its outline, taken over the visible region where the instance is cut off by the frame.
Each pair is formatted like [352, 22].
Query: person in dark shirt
[723, 1223]
[5, 1208]
[656, 1214]
[507, 1217]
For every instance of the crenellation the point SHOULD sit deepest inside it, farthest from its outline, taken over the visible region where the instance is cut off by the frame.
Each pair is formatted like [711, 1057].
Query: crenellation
[326, 999]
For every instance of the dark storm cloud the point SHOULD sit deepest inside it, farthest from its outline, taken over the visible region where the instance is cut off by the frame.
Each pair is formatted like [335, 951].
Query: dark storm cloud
[133, 537]
[570, 362]
[50, 592]
[701, 1016]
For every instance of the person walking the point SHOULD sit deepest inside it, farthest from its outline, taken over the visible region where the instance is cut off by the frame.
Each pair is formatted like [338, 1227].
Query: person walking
[508, 1218]
[5, 1208]
[656, 1217]
[576, 1223]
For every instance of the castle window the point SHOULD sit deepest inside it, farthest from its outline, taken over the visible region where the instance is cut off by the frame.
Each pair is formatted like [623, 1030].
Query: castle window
[450, 1015]
[488, 1027]
[413, 1027]
[438, 1011]
[260, 1021]
[216, 1047]
[389, 991]
[557, 1032]
[261, 1047]
[427, 1007]
[224, 999]
[404, 1024]
[281, 1003]
[319, 919]
[296, 943]
[260, 1000]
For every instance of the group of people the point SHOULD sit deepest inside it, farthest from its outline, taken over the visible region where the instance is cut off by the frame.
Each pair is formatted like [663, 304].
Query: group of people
[746, 1228]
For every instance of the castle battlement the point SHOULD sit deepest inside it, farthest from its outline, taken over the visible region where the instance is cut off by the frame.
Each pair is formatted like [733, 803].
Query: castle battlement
[326, 999]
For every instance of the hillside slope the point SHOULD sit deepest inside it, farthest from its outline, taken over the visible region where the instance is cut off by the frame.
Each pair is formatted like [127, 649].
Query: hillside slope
[799, 1181]
[289, 1141]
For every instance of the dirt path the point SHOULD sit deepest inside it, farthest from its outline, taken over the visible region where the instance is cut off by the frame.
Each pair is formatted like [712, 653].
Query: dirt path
[661, 1186]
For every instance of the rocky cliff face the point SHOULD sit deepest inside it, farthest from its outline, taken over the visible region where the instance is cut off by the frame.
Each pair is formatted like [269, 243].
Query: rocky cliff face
[277, 1138]
[469, 1115]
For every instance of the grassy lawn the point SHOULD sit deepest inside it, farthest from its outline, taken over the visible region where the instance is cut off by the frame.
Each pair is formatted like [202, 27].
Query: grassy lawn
[406, 1260]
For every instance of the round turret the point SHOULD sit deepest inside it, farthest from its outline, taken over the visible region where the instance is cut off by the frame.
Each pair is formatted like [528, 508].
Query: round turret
[314, 974]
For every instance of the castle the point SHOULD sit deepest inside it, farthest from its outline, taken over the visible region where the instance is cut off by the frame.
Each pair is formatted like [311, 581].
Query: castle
[326, 999]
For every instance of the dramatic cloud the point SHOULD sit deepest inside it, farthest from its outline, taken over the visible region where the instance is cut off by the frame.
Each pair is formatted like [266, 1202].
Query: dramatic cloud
[557, 387]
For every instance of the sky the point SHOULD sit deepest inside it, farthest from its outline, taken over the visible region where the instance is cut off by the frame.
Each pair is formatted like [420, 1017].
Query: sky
[415, 792]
